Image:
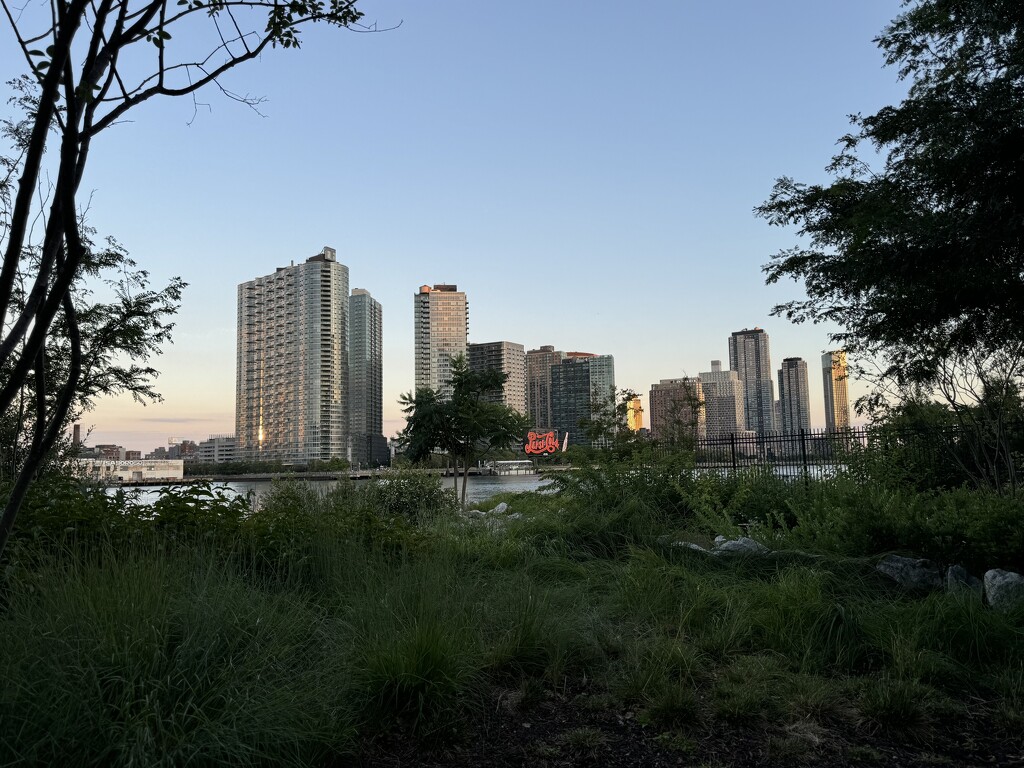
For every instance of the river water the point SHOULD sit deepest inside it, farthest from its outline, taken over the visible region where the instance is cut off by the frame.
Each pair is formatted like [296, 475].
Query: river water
[480, 487]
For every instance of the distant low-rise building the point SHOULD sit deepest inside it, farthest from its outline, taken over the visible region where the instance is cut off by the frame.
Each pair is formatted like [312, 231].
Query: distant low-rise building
[123, 471]
[217, 449]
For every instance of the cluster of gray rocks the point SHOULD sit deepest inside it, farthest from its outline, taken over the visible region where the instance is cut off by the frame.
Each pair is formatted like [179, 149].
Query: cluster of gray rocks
[493, 519]
[1003, 590]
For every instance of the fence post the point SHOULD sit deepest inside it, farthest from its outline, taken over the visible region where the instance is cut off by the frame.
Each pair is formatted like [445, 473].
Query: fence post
[803, 452]
[732, 442]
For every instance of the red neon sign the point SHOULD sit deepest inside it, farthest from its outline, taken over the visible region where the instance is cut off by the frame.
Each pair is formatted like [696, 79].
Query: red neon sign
[542, 443]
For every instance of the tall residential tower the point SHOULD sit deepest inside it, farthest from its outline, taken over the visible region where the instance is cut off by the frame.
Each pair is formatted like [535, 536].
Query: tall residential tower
[837, 401]
[794, 396]
[677, 410]
[291, 385]
[723, 401]
[538, 384]
[509, 358]
[366, 394]
[578, 383]
[750, 357]
[441, 329]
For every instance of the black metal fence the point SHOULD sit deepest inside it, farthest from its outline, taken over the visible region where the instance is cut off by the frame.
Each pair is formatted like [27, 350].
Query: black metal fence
[946, 456]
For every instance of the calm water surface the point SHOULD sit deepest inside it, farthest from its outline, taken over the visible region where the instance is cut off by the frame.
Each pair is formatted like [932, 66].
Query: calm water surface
[479, 490]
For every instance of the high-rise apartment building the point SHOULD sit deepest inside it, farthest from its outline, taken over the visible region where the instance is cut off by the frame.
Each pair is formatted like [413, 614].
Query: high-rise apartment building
[634, 414]
[724, 407]
[750, 357]
[794, 396]
[441, 328]
[291, 386]
[366, 373]
[579, 383]
[837, 401]
[677, 410]
[510, 359]
[538, 384]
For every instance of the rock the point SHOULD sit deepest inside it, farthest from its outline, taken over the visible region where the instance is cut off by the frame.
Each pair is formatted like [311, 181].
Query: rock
[741, 546]
[500, 509]
[919, 575]
[720, 540]
[959, 580]
[1004, 590]
[473, 513]
[514, 516]
[689, 545]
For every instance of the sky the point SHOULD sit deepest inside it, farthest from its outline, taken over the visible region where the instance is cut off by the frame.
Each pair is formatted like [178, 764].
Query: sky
[585, 172]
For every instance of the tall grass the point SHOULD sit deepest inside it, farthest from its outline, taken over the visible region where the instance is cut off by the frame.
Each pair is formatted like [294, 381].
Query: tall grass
[322, 625]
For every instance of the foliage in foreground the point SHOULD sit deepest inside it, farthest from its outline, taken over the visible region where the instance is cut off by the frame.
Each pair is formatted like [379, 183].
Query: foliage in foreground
[307, 629]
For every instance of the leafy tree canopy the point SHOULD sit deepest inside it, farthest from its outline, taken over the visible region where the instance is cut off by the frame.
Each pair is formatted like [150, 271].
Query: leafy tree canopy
[922, 260]
[467, 426]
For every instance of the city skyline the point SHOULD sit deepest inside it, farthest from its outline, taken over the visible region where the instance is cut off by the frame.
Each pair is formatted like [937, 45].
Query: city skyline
[582, 199]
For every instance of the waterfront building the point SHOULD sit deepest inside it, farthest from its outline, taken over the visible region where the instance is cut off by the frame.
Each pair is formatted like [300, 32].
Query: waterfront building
[509, 358]
[291, 390]
[580, 383]
[217, 449]
[794, 396]
[750, 357]
[441, 332]
[837, 401]
[677, 410]
[724, 401]
[366, 381]
[538, 384]
[123, 471]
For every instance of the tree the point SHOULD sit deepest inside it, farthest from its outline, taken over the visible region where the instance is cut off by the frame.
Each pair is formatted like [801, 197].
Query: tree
[117, 337]
[467, 426]
[922, 261]
[94, 61]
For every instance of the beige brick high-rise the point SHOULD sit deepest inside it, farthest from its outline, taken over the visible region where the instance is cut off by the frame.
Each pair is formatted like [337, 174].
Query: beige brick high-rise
[509, 358]
[441, 330]
[677, 409]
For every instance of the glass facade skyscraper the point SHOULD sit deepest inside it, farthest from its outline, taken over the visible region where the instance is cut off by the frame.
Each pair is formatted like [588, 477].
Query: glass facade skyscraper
[750, 357]
[366, 394]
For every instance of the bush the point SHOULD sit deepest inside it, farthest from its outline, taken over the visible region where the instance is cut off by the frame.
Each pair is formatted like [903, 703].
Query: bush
[409, 494]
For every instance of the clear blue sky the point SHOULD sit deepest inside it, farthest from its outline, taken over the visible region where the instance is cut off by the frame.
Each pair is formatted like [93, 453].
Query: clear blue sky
[586, 172]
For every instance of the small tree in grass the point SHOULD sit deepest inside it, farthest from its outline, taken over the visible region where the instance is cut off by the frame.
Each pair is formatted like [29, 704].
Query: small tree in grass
[468, 426]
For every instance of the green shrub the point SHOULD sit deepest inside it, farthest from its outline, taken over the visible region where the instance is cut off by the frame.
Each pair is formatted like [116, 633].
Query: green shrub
[409, 494]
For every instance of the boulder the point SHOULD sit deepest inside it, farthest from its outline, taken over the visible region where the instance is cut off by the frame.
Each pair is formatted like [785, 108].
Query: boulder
[918, 575]
[501, 509]
[741, 546]
[689, 545]
[1004, 590]
[959, 580]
